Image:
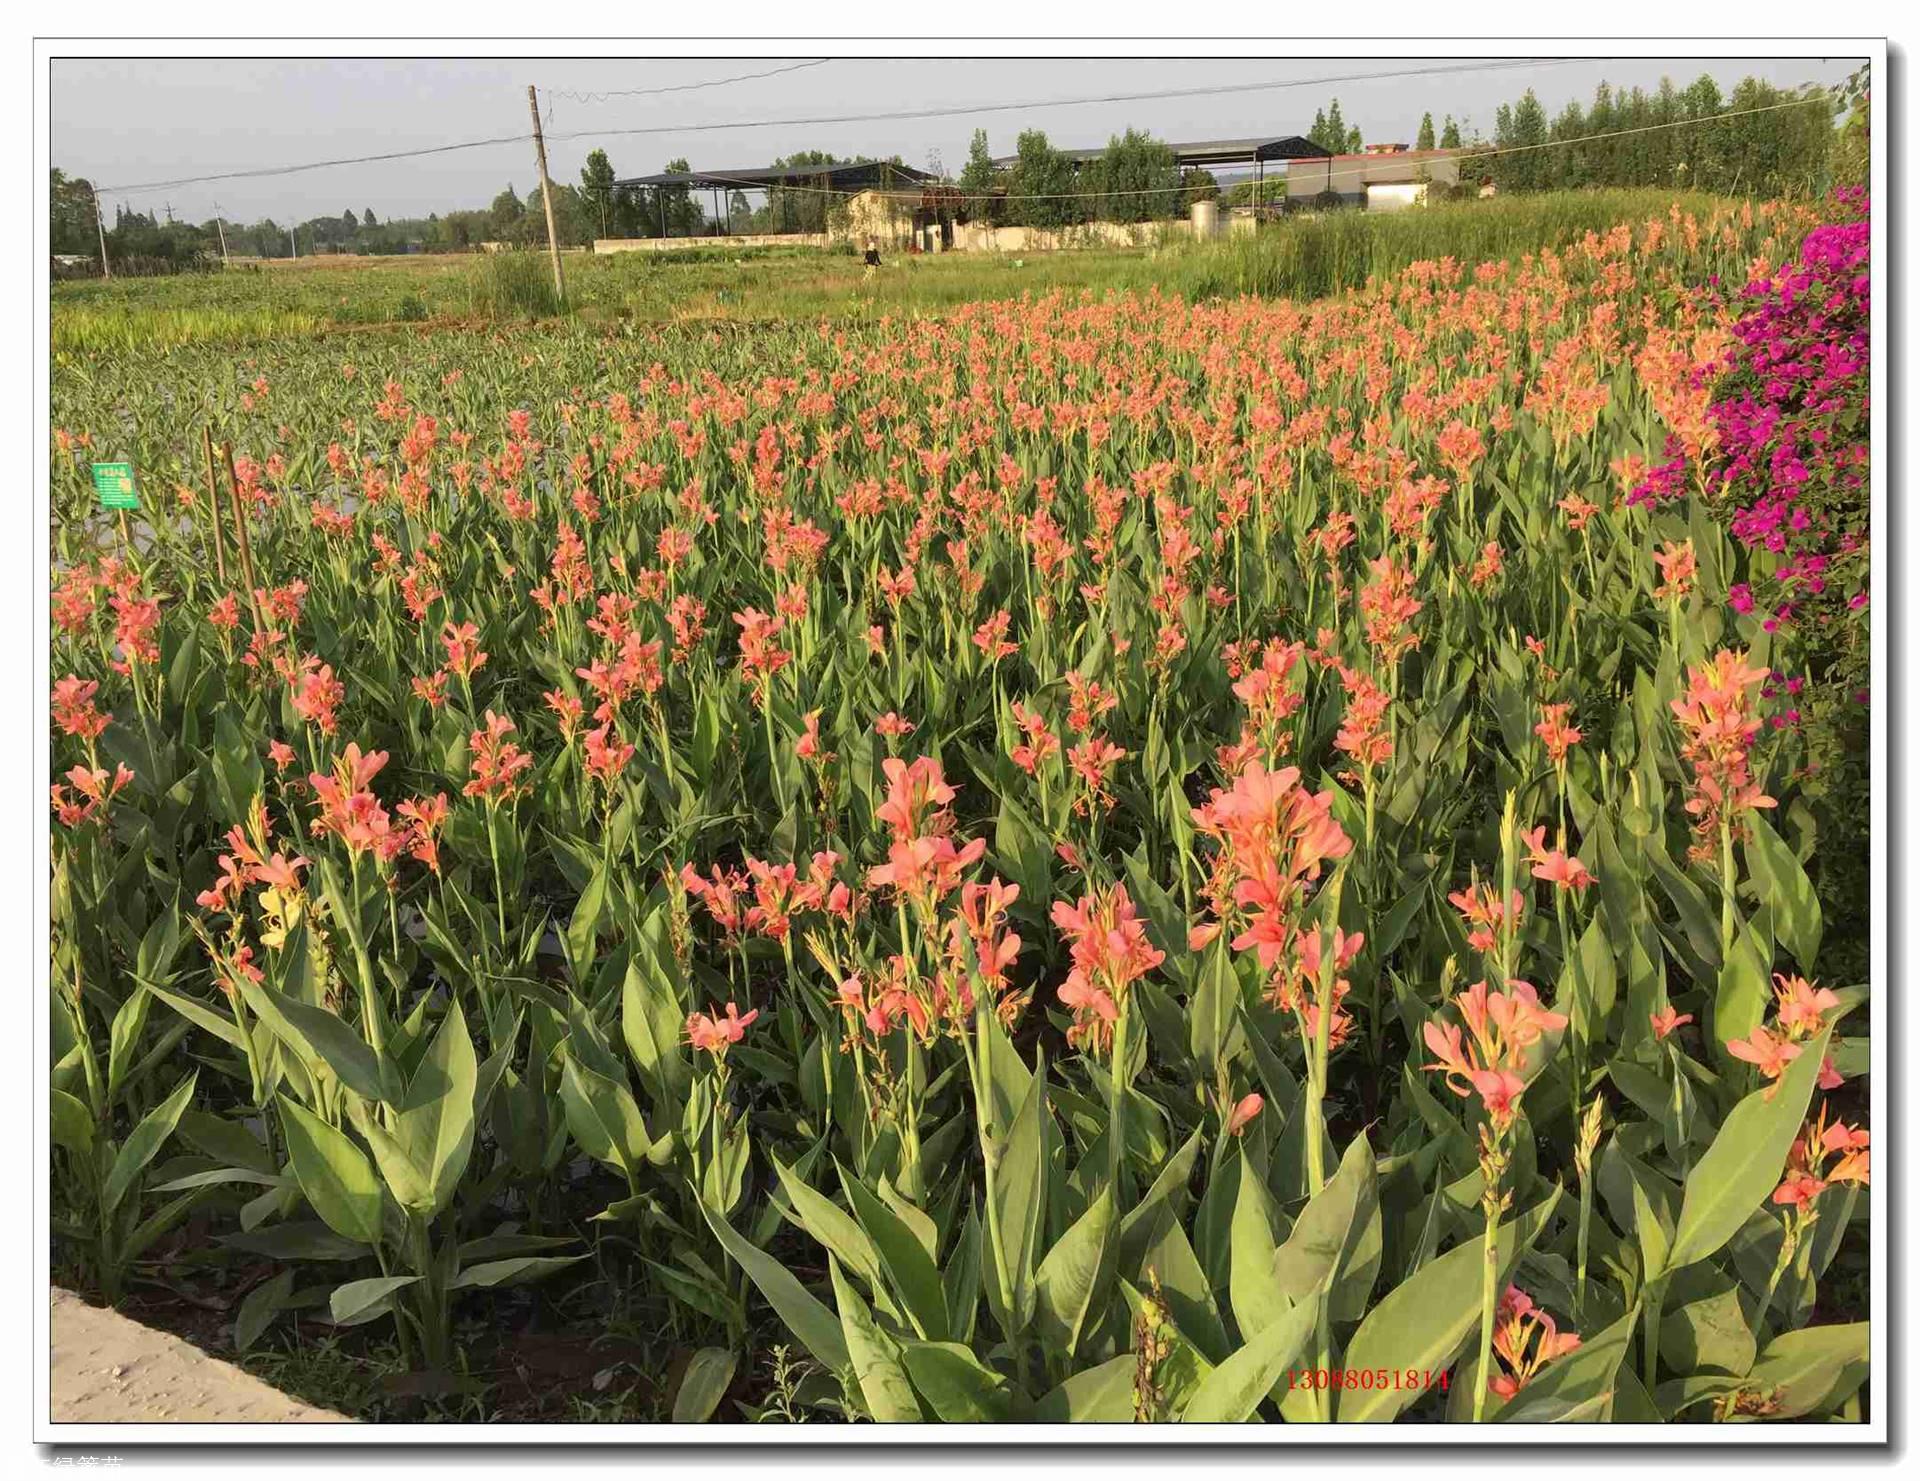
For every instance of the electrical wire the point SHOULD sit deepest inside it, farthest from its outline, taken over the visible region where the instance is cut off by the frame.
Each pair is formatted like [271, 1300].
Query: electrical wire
[684, 87]
[1481, 153]
[274, 170]
[1210, 90]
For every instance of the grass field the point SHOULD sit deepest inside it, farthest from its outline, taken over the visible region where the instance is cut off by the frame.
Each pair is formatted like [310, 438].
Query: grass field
[1307, 257]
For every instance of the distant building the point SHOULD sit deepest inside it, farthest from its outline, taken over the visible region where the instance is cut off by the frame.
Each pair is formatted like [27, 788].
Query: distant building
[1381, 177]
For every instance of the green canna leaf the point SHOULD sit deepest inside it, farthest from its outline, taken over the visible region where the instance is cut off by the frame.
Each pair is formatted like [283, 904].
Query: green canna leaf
[1071, 1283]
[875, 1357]
[333, 1174]
[143, 1144]
[1743, 1166]
[816, 1327]
[1232, 1391]
[1423, 1322]
[955, 1384]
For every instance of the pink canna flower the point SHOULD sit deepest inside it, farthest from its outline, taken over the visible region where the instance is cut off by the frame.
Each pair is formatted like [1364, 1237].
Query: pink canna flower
[1243, 1113]
[1768, 1054]
[1666, 1020]
[495, 762]
[720, 1032]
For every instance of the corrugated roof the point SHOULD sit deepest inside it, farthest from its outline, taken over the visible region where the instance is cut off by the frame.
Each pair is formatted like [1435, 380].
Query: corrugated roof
[1210, 151]
[838, 177]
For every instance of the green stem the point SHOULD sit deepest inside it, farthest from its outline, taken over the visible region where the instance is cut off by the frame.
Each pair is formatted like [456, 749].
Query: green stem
[1489, 1296]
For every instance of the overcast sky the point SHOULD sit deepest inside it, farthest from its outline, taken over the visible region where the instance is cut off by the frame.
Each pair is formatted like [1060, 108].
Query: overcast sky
[130, 122]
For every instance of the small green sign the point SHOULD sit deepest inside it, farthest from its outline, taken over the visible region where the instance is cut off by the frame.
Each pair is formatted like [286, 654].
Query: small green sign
[113, 483]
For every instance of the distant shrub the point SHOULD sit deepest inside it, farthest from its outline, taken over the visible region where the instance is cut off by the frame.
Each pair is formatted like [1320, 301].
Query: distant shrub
[512, 285]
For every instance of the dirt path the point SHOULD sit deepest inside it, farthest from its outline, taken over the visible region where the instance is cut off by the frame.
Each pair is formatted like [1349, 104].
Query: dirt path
[108, 1369]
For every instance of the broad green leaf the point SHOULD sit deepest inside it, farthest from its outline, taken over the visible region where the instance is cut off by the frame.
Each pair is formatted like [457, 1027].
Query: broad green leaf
[518, 1270]
[143, 1145]
[1102, 1395]
[214, 1177]
[603, 1118]
[348, 1055]
[363, 1300]
[124, 1039]
[1709, 1335]
[208, 1018]
[1422, 1322]
[815, 1326]
[1785, 888]
[1813, 1370]
[302, 1241]
[1144, 1224]
[1071, 1280]
[831, 1226]
[704, 1384]
[332, 1174]
[1336, 1243]
[652, 1020]
[955, 1385]
[1214, 1011]
[1232, 1392]
[227, 1141]
[1019, 1193]
[908, 1264]
[875, 1357]
[1740, 1000]
[1257, 1294]
[1743, 1166]
[436, 1117]
[262, 1304]
[72, 1125]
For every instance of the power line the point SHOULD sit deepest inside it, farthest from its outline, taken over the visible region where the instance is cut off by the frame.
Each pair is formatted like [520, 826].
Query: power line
[1209, 90]
[684, 87]
[1503, 65]
[319, 164]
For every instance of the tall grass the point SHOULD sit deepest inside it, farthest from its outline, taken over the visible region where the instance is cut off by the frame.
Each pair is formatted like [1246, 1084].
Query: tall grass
[506, 286]
[1314, 256]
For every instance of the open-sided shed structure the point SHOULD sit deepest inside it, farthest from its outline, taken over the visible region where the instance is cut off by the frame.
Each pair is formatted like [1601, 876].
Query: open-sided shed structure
[836, 179]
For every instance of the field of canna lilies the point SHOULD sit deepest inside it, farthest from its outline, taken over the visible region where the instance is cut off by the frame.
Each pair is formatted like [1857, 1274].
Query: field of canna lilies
[1092, 859]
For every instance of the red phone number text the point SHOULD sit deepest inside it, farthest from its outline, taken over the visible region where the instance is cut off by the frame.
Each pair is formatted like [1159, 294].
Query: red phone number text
[1376, 1378]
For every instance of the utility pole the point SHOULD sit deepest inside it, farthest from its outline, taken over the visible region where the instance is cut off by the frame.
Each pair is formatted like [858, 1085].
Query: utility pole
[293, 244]
[106, 268]
[546, 196]
[221, 227]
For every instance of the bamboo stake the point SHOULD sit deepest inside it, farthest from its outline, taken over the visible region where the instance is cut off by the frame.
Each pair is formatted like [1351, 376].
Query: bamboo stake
[246, 546]
[213, 500]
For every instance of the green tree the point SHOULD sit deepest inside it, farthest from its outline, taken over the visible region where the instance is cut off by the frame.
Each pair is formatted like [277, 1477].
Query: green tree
[1425, 138]
[1450, 134]
[1522, 129]
[505, 214]
[981, 181]
[70, 222]
[1136, 179]
[366, 217]
[596, 183]
[1851, 155]
[1041, 188]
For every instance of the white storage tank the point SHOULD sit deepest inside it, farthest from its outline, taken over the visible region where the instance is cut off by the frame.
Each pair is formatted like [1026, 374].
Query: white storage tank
[1206, 220]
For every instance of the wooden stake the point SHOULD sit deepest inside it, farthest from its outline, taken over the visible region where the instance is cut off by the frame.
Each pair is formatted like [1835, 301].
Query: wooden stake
[213, 502]
[100, 225]
[246, 546]
[546, 195]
